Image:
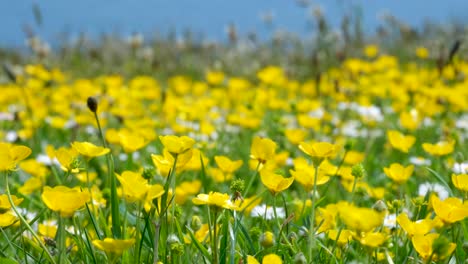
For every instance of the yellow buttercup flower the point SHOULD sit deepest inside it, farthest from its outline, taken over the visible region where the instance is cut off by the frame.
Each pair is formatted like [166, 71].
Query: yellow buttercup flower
[177, 145]
[450, 210]
[227, 165]
[345, 236]
[262, 149]
[421, 227]
[424, 246]
[89, 150]
[154, 191]
[34, 168]
[252, 260]
[360, 219]
[305, 176]
[7, 219]
[116, 246]
[248, 204]
[134, 186]
[68, 159]
[131, 141]
[371, 50]
[11, 154]
[30, 186]
[400, 141]
[215, 199]
[271, 259]
[372, 239]
[319, 150]
[295, 136]
[165, 162]
[5, 203]
[422, 52]
[398, 173]
[275, 182]
[441, 148]
[64, 200]
[353, 157]
[460, 182]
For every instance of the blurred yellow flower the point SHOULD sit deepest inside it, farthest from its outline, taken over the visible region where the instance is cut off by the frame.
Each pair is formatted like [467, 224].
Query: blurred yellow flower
[215, 199]
[305, 176]
[89, 150]
[165, 162]
[227, 165]
[134, 186]
[271, 259]
[422, 52]
[11, 154]
[460, 182]
[275, 182]
[398, 173]
[295, 136]
[252, 260]
[5, 203]
[354, 157]
[400, 141]
[450, 210]
[116, 246]
[360, 219]
[262, 149]
[34, 168]
[371, 50]
[372, 239]
[131, 141]
[441, 148]
[64, 200]
[319, 150]
[424, 245]
[7, 219]
[345, 236]
[68, 159]
[421, 227]
[177, 145]
[30, 186]
[154, 191]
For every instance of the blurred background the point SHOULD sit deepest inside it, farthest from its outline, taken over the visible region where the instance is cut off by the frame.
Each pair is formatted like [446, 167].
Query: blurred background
[118, 35]
[54, 20]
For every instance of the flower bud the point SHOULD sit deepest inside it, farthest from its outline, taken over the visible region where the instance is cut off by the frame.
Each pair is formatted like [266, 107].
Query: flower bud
[380, 206]
[267, 239]
[196, 223]
[237, 185]
[300, 258]
[358, 171]
[92, 104]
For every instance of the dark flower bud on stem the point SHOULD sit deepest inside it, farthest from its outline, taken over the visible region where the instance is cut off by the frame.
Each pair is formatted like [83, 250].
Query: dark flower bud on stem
[92, 104]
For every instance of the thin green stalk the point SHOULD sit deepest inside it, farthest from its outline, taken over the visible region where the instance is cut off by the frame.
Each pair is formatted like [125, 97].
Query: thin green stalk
[13, 206]
[215, 237]
[137, 239]
[312, 217]
[61, 240]
[116, 225]
[252, 179]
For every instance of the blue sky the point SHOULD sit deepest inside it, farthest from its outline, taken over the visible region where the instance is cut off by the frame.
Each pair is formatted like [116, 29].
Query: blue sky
[208, 16]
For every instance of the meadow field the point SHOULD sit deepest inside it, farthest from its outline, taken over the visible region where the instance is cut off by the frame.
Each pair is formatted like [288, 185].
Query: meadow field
[344, 150]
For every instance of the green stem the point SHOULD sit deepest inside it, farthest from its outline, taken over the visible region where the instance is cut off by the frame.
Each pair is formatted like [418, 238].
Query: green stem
[13, 206]
[312, 218]
[61, 238]
[116, 226]
[215, 237]
[252, 179]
